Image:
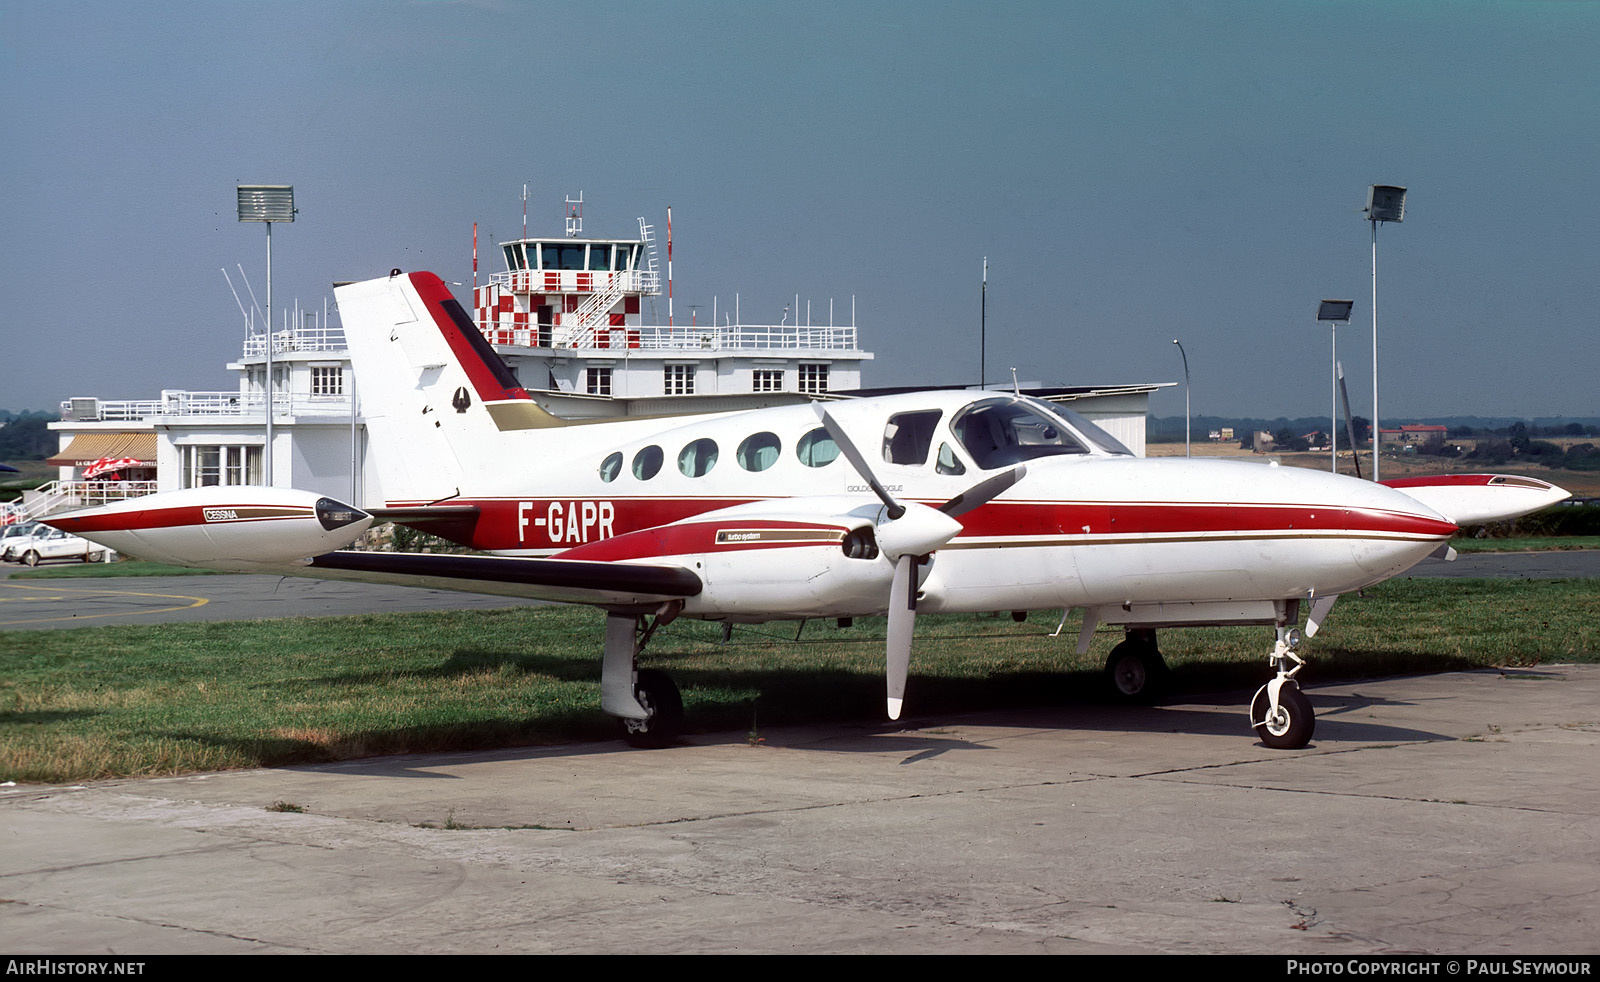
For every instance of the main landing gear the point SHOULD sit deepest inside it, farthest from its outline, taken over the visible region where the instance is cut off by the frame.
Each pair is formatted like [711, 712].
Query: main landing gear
[1135, 671]
[646, 703]
[1280, 713]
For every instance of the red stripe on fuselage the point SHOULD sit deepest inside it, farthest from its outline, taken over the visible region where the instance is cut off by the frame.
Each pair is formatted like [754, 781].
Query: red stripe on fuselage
[566, 523]
[1157, 518]
[161, 518]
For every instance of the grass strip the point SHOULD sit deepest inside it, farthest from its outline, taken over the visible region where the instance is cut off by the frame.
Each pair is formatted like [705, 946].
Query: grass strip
[1544, 543]
[170, 698]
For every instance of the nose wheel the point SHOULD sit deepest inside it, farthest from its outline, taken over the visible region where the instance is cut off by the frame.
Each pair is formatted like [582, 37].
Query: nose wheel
[1289, 724]
[1280, 713]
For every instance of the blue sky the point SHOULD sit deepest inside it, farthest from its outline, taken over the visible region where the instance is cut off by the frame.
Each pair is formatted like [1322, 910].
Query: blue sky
[1134, 172]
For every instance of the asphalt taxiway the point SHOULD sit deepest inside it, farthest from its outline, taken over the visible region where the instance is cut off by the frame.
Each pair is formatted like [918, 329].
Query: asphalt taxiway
[1455, 813]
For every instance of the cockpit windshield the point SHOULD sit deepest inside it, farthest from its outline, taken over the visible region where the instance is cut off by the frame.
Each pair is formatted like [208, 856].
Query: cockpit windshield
[1087, 429]
[1004, 431]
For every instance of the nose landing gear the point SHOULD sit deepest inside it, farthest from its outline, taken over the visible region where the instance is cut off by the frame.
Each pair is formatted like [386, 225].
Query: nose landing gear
[1280, 713]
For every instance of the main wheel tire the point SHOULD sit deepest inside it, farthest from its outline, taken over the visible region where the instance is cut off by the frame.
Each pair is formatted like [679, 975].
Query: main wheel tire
[659, 696]
[1135, 672]
[1294, 724]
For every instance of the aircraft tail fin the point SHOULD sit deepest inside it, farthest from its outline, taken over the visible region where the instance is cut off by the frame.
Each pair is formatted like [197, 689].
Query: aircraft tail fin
[437, 400]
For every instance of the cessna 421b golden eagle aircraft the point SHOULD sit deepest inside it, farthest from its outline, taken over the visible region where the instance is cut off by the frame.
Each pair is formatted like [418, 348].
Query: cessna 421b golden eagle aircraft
[943, 501]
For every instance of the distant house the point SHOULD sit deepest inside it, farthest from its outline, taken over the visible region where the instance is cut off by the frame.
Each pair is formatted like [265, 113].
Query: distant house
[1413, 434]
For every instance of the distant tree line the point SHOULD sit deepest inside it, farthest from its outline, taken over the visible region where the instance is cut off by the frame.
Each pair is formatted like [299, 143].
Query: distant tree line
[1517, 442]
[23, 436]
[1485, 432]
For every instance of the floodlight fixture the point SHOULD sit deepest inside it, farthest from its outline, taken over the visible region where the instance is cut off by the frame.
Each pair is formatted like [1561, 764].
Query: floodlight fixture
[266, 202]
[1335, 310]
[1386, 203]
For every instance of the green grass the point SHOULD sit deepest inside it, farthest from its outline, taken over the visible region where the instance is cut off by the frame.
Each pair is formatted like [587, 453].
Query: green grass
[1526, 543]
[101, 702]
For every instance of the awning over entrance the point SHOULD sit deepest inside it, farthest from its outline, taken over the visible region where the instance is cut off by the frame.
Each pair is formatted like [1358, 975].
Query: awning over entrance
[88, 447]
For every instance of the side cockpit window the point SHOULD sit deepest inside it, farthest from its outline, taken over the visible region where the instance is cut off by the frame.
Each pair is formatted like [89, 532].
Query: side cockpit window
[907, 437]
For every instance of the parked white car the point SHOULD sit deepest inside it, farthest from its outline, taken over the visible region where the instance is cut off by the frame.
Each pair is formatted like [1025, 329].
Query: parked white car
[11, 535]
[52, 543]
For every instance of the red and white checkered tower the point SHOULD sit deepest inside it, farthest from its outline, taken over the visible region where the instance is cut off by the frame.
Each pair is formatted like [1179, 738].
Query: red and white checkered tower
[569, 292]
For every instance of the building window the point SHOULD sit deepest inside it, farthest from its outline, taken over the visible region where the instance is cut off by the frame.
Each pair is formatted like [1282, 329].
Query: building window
[679, 380]
[813, 377]
[327, 380]
[205, 467]
[597, 381]
[768, 380]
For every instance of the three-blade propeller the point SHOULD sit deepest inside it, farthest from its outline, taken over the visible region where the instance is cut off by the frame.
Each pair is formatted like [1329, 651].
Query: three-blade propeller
[906, 532]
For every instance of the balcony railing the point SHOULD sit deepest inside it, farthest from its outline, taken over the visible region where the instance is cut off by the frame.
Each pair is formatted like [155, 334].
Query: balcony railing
[736, 337]
[184, 403]
[640, 281]
[314, 337]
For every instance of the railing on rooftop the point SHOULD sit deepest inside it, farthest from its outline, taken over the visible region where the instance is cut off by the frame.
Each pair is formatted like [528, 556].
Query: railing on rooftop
[735, 337]
[311, 337]
[184, 403]
[738, 336]
[642, 281]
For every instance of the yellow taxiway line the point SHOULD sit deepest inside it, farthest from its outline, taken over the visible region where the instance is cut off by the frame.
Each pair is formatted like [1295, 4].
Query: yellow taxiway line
[69, 593]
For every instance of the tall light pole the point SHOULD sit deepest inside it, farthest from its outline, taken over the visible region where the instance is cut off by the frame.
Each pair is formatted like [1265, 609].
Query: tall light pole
[1334, 311]
[1385, 203]
[267, 203]
[1185, 396]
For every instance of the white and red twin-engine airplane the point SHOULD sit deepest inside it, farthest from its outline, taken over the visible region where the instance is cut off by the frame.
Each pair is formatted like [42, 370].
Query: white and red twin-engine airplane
[970, 501]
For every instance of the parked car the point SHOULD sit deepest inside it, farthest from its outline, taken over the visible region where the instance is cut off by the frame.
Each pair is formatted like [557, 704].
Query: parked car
[56, 544]
[11, 535]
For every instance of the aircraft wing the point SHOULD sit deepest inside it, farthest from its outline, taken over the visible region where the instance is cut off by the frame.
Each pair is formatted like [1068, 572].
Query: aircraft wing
[605, 584]
[298, 533]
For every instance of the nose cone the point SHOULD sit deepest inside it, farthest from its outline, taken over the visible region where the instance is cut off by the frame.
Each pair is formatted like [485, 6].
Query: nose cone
[1391, 531]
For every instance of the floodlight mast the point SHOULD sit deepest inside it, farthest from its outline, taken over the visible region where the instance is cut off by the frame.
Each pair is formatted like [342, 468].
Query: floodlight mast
[1185, 355]
[267, 203]
[1385, 203]
[1334, 311]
